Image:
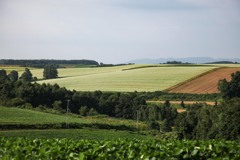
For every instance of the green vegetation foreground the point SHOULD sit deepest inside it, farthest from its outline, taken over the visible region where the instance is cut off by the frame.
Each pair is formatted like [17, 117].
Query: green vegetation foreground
[22, 148]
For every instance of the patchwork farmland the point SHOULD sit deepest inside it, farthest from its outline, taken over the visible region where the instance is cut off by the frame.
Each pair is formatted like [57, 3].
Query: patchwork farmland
[125, 78]
[172, 78]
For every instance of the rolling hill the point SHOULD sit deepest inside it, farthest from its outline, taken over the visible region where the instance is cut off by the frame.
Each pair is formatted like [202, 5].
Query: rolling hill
[125, 78]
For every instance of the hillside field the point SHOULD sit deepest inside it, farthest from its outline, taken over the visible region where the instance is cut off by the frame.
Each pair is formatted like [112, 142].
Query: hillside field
[19, 118]
[124, 78]
[128, 78]
[12, 115]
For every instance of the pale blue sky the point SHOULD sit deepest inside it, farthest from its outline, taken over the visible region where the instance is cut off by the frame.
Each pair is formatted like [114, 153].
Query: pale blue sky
[115, 31]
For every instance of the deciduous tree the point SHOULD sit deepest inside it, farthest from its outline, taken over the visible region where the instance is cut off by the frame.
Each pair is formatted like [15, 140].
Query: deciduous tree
[13, 76]
[50, 71]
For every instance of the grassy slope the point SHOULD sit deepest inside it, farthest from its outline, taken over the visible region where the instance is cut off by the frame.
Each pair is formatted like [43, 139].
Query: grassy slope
[124, 78]
[25, 116]
[119, 79]
[9, 115]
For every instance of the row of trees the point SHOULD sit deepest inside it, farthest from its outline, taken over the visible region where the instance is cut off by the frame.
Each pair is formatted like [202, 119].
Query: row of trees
[43, 62]
[50, 71]
[13, 76]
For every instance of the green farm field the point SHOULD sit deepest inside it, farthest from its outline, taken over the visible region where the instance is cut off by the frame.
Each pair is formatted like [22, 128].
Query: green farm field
[17, 68]
[12, 115]
[125, 78]
[18, 117]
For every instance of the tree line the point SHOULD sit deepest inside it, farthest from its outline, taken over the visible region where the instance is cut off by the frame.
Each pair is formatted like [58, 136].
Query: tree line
[49, 72]
[43, 62]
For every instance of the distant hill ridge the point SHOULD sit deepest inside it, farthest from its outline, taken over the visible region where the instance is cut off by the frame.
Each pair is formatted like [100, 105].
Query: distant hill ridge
[197, 60]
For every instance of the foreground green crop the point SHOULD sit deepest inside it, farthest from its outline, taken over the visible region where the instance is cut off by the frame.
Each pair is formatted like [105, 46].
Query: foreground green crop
[22, 148]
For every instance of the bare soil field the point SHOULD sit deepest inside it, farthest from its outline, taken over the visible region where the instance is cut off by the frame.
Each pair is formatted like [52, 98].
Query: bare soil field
[207, 83]
[181, 110]
[185, 102]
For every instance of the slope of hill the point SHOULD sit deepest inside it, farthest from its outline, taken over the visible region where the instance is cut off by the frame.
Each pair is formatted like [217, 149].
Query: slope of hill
[17, 122]
[206, 83]
[125, 78]
[18, 116]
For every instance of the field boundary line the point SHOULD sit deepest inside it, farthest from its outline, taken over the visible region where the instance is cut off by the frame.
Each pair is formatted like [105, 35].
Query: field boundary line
[165, 65]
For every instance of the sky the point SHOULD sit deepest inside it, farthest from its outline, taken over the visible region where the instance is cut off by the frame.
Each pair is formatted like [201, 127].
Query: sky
[116, 31]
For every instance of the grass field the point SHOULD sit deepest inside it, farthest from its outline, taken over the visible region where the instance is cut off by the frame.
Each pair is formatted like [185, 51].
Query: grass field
[17, 68]
[11, 115]
[123, 78]
[120, 79]
[18, 116]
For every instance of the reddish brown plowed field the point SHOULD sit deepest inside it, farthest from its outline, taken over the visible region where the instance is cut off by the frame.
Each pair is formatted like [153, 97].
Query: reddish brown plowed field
[206, 83]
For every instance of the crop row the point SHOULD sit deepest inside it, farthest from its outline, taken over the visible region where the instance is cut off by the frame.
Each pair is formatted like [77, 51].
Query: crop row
[23, 148]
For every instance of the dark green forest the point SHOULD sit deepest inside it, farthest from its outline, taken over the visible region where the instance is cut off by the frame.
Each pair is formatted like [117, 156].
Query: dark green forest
[200, 121]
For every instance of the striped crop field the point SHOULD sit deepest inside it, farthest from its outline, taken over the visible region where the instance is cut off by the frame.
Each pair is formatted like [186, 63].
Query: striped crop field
[206, 83]
[125, 78]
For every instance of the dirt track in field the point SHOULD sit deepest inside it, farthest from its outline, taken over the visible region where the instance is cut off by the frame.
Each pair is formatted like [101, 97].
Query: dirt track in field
[206, 83]
[185, 102]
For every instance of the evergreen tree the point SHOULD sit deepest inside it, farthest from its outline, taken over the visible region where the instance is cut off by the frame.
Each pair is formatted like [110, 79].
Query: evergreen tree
[167, 103]
[232, 88]
[153, 124]
[3, 75]
[182, 104]
[228, 124]
[166, 126]
[27, 75]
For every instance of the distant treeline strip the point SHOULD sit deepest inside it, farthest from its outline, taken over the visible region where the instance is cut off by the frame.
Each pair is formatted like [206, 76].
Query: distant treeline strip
[42, 62]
